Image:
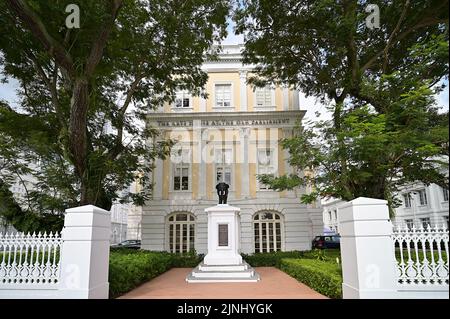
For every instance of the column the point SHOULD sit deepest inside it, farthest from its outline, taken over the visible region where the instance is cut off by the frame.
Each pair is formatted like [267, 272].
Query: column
[367, 251]
[85, 253]
[202, 103]
[243, 90]
[285, 98]
[244, 133]
[203, 137]
[295, 100]
[158, 179]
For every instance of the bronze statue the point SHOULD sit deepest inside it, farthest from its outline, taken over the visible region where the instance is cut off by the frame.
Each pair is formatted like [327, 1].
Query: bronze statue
[222, 191]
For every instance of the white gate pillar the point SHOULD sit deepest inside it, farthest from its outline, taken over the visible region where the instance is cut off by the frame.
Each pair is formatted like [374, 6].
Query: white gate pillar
[85, 253]
[368, 256]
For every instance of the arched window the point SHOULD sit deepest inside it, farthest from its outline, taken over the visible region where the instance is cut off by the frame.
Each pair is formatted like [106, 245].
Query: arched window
[181, 232]
[267, 230]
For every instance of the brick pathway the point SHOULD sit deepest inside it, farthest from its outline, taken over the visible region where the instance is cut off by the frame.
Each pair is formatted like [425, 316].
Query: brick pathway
[274, 284]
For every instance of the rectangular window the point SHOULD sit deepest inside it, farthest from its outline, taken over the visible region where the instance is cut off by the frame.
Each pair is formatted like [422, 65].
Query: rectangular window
[223, 235]
[423, 197]
[264, 96]
[223, 95]
[445, 193]
[266, 164]
[182, 99]
[409, 223]
[407, 200]
[425, 222]
[223, 160]
[446, 221]
[181, 177]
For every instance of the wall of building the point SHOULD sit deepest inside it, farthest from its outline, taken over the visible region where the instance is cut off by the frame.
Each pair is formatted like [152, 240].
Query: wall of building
[245, 129]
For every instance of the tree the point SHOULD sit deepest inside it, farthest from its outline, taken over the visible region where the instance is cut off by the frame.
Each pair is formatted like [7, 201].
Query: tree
[379, 84]
[85, 93]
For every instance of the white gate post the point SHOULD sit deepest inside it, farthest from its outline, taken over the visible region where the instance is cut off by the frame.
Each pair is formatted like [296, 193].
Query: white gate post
[85, 253]
[368, 256]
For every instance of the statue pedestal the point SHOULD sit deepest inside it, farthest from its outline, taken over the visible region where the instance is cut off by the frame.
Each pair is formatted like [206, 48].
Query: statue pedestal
[223, 263]
[223, 231]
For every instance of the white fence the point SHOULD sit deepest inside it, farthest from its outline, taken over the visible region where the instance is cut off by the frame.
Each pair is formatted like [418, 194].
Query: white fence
[380, 261]
[73, 264]
[31, 260]
[421, 255]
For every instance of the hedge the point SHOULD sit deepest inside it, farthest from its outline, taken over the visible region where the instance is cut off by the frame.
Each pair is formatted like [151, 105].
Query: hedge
[128, 268]
[322, 276]
[270, 259]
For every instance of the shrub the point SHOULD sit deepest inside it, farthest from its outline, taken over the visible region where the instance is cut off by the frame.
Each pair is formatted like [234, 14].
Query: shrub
[128, 269]
[323, 254]
[324, 277]
[270, 259]
[186, 260]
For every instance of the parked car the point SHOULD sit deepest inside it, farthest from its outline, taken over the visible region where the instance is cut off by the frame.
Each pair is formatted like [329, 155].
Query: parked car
[132, 244]
[327, 242]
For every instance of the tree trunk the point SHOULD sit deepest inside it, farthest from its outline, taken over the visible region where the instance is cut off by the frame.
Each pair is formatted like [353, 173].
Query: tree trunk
[77, 134]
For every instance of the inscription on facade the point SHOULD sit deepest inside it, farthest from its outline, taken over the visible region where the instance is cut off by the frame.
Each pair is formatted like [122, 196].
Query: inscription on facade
[218, 123]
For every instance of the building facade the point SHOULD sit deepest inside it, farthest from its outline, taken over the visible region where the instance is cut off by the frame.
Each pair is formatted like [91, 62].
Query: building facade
[421, 205]
[231, 136]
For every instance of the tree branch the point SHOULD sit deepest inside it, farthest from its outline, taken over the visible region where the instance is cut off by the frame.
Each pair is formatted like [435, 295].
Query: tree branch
[35, 25]
[100, 42]
[391, 37]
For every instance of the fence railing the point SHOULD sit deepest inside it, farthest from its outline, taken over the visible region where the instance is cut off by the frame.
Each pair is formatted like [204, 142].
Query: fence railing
[421, 255]
[30, 259]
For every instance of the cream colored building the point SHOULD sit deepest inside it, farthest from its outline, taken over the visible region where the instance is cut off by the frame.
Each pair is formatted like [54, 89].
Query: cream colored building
[231, 136]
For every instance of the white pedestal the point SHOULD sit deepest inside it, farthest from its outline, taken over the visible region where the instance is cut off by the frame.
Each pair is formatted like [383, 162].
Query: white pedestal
[223, 263]
[225, 217]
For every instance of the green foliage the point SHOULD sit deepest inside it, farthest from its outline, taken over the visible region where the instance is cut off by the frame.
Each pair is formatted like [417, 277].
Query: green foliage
[270, 259]
[386, 130]
[77, 87]
[24, 220]
[323, 277]
[127, 270]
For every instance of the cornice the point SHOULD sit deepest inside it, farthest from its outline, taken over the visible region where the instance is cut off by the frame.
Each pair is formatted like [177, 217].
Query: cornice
[299, 114]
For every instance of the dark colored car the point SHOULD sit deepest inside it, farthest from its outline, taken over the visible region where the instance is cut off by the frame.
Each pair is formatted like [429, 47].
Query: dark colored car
[132, 244]
[327, 241]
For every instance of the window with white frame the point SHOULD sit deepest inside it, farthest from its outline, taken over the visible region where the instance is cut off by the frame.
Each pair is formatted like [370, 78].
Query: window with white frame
[267, 231]
[180, 159]
[445, 193]
[446, 221]
[329, 216]
[409, 223]
[423, 197]
[181, 232]
[425, 222]
[266, 164]
[407, 200]
[263, 96]
[222, 95]
[182, 99]
[223, 162]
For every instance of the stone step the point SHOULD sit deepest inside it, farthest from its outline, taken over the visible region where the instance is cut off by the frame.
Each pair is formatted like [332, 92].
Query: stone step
[191, 279]
[240, 267]
[223, 274]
